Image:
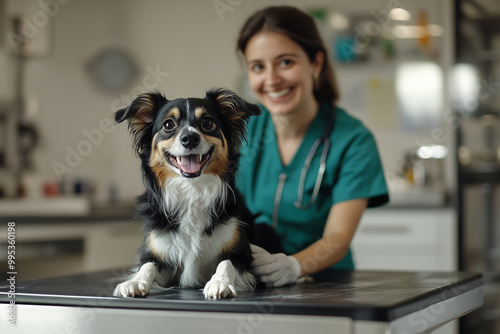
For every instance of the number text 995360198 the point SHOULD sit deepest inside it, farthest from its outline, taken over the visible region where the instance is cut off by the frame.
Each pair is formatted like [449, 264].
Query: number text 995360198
[11, 271]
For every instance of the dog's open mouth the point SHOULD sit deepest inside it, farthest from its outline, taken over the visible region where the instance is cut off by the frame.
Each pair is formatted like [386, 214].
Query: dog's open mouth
[190, 165]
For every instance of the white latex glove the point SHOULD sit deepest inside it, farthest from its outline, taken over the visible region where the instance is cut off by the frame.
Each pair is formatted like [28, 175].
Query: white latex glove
[274, 269]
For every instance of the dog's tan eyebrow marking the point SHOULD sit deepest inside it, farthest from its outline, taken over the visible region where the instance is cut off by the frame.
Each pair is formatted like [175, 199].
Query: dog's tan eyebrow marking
[199, 112]
[174, 112]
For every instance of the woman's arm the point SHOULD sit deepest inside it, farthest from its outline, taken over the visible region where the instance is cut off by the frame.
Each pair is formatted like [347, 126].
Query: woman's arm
[279, 269]
[339, 230]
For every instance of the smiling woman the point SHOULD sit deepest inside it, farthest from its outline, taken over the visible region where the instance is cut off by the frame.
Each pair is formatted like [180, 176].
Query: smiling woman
[301, 129]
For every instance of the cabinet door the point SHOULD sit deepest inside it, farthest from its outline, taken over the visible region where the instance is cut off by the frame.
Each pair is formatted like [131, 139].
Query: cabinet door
[392, 239]
[111, 245]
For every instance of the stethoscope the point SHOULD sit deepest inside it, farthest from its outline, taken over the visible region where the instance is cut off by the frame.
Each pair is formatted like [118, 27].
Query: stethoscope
[325, 139]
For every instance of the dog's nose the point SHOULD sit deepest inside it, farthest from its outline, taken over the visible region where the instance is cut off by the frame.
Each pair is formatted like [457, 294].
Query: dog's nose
[190, 139]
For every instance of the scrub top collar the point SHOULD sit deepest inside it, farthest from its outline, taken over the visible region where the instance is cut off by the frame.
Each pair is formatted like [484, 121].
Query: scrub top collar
[314, 130]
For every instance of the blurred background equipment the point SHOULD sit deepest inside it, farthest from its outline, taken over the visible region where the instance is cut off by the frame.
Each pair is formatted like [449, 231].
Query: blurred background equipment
[476, 99]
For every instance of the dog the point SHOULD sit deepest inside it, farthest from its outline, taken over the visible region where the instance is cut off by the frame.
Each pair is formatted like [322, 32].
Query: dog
[196, 225]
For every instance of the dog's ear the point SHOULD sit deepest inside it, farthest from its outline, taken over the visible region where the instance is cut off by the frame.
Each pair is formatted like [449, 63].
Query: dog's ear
[232, 104]
[235, 110]
[141, 114]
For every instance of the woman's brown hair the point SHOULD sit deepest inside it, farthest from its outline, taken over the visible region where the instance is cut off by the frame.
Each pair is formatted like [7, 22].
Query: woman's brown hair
[301, 28]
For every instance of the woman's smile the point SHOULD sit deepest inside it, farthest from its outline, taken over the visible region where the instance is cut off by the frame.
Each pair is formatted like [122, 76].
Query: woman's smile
[276, 95]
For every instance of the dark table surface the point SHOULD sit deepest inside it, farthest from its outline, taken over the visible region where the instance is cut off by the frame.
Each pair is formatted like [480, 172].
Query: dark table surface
[360, 295]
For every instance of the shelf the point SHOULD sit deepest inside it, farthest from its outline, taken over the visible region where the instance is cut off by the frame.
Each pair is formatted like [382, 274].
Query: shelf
[60, 206]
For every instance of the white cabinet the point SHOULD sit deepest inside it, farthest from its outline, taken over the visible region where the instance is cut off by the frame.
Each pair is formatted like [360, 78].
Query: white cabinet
[407, 239]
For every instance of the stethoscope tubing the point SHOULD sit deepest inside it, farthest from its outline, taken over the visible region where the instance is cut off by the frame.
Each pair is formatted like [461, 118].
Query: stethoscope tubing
[325, 139]
[319, 176]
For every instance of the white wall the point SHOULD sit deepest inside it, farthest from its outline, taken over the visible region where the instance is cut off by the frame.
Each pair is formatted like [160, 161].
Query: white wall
[186, 39]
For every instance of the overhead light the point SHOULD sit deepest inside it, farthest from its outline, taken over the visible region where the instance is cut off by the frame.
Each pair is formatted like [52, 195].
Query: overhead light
[432, 151]
[400, 14]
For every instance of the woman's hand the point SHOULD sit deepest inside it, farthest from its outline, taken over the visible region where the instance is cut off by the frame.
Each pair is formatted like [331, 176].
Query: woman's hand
[274, 269]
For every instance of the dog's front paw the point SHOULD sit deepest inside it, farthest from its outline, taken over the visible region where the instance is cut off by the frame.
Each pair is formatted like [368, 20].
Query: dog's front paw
[132, 288]
[219, 288]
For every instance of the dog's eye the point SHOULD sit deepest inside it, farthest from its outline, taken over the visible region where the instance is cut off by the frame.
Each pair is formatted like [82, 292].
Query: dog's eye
[169, 125]
[208, 124]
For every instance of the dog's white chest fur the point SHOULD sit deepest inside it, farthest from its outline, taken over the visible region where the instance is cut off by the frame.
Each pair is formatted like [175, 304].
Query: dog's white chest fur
[192, 254]
[190, 249]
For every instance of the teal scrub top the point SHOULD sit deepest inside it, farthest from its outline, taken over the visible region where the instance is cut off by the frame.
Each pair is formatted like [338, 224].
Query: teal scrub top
[353, 170]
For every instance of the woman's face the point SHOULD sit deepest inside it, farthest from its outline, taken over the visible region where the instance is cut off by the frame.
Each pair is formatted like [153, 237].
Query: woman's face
[280, 73]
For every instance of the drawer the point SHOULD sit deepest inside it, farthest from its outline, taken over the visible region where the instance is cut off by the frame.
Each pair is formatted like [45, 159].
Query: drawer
[399, 228]
[399, 262]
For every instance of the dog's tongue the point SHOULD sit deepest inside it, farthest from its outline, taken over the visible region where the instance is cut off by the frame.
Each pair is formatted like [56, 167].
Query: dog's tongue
[190, 164]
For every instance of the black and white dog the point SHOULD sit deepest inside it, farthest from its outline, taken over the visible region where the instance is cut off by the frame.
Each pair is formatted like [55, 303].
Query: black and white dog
[195, 221]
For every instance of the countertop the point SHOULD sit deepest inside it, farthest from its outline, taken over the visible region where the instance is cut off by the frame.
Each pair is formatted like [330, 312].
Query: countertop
[80, 209]
[64, 210]
[359, 295]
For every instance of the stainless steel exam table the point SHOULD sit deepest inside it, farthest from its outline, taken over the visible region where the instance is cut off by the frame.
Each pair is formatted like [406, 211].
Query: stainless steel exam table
[342, 302]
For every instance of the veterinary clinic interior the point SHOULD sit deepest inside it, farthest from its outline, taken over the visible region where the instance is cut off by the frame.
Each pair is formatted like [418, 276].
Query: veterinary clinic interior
[423, 76]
